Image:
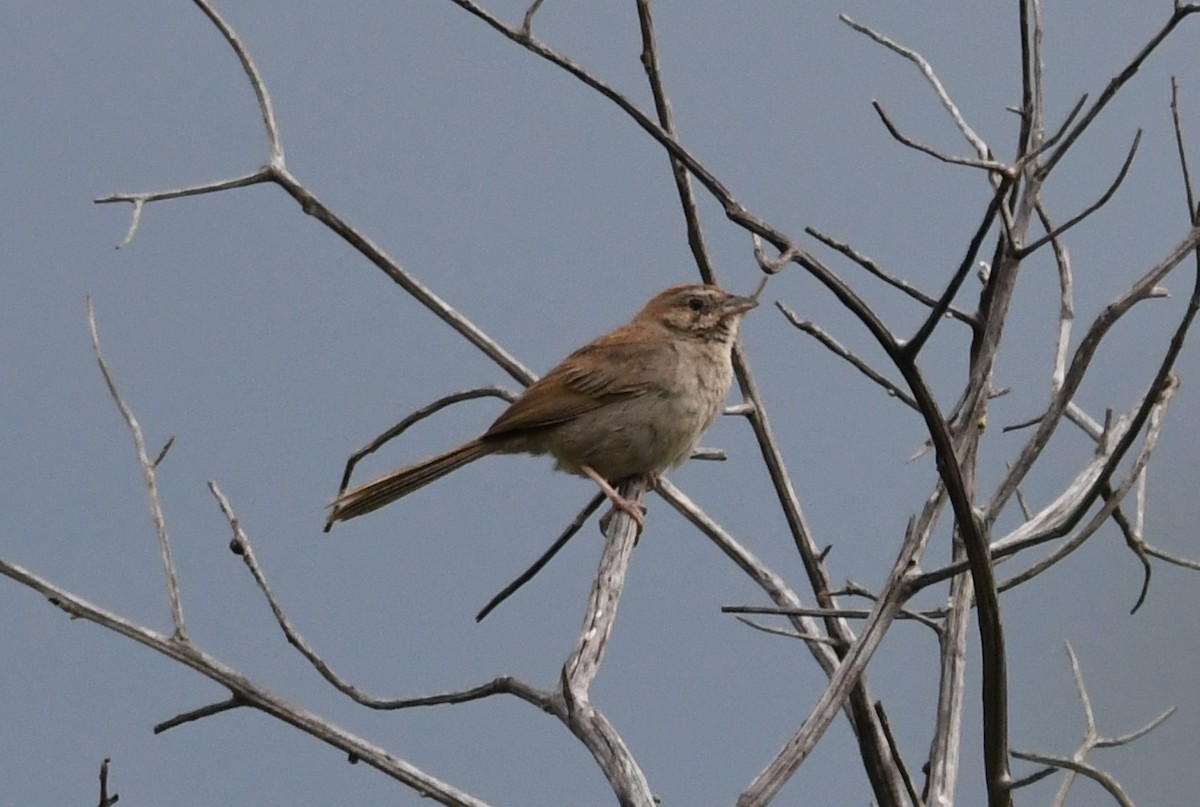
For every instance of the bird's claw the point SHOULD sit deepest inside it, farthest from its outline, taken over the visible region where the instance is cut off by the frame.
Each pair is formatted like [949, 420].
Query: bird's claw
[635, 510]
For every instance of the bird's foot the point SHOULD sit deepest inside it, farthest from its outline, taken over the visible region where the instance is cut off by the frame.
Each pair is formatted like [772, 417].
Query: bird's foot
[635, 510]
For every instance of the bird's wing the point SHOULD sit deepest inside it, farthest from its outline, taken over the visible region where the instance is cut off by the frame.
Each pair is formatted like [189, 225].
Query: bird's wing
[600, 372]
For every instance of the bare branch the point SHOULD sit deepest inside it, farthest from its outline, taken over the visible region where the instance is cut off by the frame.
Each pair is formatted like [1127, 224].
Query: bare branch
[240, 545]
[527, 20]
[1029, 249]
[1103, 779]
[662, 106]
[897, 757]
[411, 420]
[233, 702]
[1189, 193]
[254, 695]
[981, 148]
[1091, 739]
[927, 618]
[149, 477]
[1181, 12]
[914, 345]
[785, 632]
[879, 272]
[140, 200]
[838, 349]
[527, 575]
[894, 131]
[1136, 734]
[105, 799]
[1082, 359]
[767, 784]
[265, 107]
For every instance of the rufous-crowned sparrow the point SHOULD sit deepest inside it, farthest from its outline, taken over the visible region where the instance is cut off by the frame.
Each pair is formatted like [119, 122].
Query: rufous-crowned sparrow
[633, 402]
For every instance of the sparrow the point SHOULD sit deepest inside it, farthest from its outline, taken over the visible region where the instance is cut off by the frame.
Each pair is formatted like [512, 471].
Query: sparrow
[633, 402]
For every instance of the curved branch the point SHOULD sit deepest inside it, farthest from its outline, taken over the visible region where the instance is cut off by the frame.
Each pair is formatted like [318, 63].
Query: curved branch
[411, 420]
[1029, 249]
[265, 108]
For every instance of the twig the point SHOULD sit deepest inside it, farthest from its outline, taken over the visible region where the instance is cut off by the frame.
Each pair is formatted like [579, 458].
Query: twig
[913, 346]
[1180, 12]
[909, 785]
[894, 131]
[878, 271]
[840, 350]
[1189, 194]
[981, 148]
[527, 575]
[527, 20]
[233, 702]
[140, 200]
[662, 106]
[790, 634]
[1082, 359]
[1029, 249]
[1105, 780]
[1091, 739]
[105, 799]
[927, 618]
[255, 695]
[767, 784]
[411, 420]
[240, 545]
[149, 477]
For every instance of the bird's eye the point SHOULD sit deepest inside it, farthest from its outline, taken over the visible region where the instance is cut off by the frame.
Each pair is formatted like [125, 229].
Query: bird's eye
[696, 304]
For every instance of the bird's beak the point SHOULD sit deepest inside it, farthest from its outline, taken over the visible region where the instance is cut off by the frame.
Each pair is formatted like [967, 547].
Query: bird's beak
[733, 304]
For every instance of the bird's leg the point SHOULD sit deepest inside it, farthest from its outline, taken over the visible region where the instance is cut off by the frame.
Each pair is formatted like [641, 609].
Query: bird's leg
[635, 510]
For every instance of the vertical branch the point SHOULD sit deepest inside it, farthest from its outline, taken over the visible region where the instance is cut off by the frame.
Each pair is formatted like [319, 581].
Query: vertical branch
[662, 106]
[149, 476]
[585, 721]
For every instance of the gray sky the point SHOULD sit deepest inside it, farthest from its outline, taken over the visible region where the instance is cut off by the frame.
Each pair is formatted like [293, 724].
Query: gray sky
[270, 351]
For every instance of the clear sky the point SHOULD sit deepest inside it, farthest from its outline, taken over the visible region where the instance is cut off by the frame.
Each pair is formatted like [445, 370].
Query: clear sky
[270, 351]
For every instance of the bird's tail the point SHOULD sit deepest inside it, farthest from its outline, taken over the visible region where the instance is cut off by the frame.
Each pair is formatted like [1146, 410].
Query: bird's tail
[396, 484]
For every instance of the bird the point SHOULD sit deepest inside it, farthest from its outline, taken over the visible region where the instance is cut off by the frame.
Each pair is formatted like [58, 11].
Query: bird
[631, 403]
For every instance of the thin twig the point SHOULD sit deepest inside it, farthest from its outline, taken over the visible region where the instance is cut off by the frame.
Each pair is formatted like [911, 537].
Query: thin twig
[662, 106]
[1105, 780]
[1181, 12]
[233, 702]
[140, 200]
[527, 20]
[894, 131]
[841, 351]
[787, 633]
[981, 148]
[913, 346]
[878, 271]
[411, 420]
[1189, 193]
[927, 618]
[149, 477]
[265, 108]
[897, 757]
[1029, 249]
[527, 575]
[240, 545]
